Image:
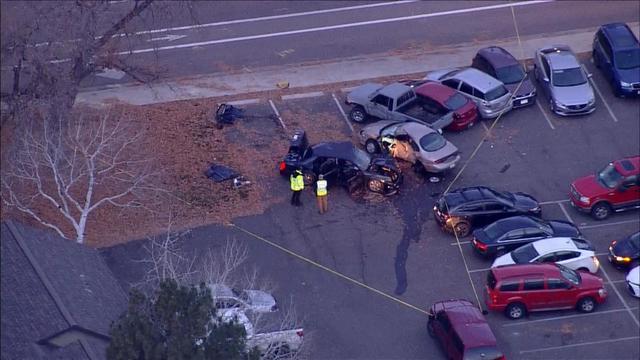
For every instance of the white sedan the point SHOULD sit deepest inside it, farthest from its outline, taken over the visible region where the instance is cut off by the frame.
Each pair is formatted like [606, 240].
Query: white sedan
[633, 281]
[576, 254]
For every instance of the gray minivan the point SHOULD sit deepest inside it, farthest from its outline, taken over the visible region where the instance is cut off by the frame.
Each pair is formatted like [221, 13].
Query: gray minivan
[487, 92]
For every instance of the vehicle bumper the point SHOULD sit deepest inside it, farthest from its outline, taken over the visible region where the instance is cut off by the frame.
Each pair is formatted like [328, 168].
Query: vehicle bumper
[587, 109]
[579, 206]
[633, 91]
[442, 167]
[494, 113]
[519, 102]
[462, 123]
[634, 289]
[620, 265]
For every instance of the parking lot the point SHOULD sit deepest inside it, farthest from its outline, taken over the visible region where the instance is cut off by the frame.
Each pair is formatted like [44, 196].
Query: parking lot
[362, 275]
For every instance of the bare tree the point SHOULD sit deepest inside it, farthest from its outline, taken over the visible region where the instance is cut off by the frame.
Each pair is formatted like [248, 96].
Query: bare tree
[74, 166]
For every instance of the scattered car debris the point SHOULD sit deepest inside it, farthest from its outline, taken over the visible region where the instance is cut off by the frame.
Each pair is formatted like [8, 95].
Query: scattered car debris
[227, 114]
[219, 173]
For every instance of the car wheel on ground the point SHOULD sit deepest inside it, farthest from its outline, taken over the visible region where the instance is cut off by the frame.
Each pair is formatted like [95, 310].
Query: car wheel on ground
[462, 228]
[419, 168]
[515, 311]
[372, 146]
[601, 211]
[375, 185]
[357, 114]
[586, 305]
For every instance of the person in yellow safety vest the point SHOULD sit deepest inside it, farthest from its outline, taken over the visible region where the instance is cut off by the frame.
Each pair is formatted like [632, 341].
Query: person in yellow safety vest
[297, 185]
[322, 194]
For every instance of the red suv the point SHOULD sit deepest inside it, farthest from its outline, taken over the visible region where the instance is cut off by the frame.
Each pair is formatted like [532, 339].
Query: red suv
[517, 289]
[614, 188]
[462, 331]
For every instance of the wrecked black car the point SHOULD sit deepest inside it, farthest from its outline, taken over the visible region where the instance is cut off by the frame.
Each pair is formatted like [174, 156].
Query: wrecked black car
[341, 163]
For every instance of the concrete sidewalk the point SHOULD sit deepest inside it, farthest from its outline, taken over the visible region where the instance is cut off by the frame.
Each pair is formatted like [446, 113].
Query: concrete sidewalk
[301, 75]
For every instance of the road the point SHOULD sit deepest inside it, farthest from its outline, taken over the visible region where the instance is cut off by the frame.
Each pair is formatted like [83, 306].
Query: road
[246, 36]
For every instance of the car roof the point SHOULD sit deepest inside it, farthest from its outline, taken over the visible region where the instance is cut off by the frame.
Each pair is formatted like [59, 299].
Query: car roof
[394, 90]
[469, 323]
[478, 79]
[562, 58]
[416, 129]
[628, 166]
[524, 270]
[620, 35]
[435, 91]
[497, 56]
[468, 194]
[515, 222]
[339, 149]
[220, 290]
[546, 246]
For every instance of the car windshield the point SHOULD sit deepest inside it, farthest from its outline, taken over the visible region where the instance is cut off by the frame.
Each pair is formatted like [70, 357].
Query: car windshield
[510, 74]
[432, 142]
[569, 274]
[390, 129]
[568, 77]
[524, 254]
[627, 59]
[455, 102]
[496, 93]
[609, 176]
[635, 241]
[361, 159]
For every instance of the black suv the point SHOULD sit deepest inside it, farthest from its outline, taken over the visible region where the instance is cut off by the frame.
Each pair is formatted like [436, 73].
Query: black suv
[341, 163]
[500, 64]
[463, 209]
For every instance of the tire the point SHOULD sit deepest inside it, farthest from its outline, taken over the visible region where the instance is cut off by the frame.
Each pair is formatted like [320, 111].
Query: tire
[308, 178]
[372, 146]
[462, 228]
[586, 305]
[375, 185]
[358, 114]
[552, 107]
[584, 269]
[515, 311]
[601, 211]
[418, 168]
[430, 329]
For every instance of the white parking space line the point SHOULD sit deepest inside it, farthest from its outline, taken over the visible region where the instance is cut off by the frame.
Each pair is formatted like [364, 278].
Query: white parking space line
[461, 243]
[486, 129]
[479, 270]
[564, 211]
[348, 89]
[609, 224]
[244, 102]
[344, 115]
[553, 202]
[602, 254]
[613, 116]
[624, 302]
[545, 115]
[273, 106]
[580, 344]
[302, 96]
[527, 322]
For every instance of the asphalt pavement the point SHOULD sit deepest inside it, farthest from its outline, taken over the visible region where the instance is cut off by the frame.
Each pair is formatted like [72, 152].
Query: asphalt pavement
[308, 75]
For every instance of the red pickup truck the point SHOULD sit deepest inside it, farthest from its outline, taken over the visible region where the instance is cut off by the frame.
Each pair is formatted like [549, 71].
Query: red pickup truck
[615, 188]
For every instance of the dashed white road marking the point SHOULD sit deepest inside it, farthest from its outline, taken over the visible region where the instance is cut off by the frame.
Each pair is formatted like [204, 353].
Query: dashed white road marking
[344, 115]
[331, 27]
[527, 322]
[580, 344]
[461, 243]
[593, 83]
[553, 202]
[275, 110]
[564, 211]
[302, 96]
[545, 115]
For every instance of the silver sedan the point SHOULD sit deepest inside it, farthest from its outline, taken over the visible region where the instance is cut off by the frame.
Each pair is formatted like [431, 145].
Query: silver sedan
[416, 143]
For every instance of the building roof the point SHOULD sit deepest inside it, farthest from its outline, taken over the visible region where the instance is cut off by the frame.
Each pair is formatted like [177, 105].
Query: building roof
[58, 297]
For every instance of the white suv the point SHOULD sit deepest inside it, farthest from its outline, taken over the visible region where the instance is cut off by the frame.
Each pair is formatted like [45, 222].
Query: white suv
[225, 297]
[576, 254]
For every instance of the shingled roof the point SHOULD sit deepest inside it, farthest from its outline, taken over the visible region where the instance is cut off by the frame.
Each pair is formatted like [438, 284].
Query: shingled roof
[58, 297]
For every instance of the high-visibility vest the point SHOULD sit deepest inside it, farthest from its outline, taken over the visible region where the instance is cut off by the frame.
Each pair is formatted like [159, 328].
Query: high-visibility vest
[322, 188]
[297, 182]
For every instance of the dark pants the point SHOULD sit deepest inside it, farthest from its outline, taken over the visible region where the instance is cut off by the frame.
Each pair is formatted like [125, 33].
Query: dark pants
[295, 198]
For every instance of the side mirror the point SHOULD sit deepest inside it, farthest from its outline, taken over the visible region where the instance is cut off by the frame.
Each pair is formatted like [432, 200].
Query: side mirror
[589, 75]
[545, 79]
